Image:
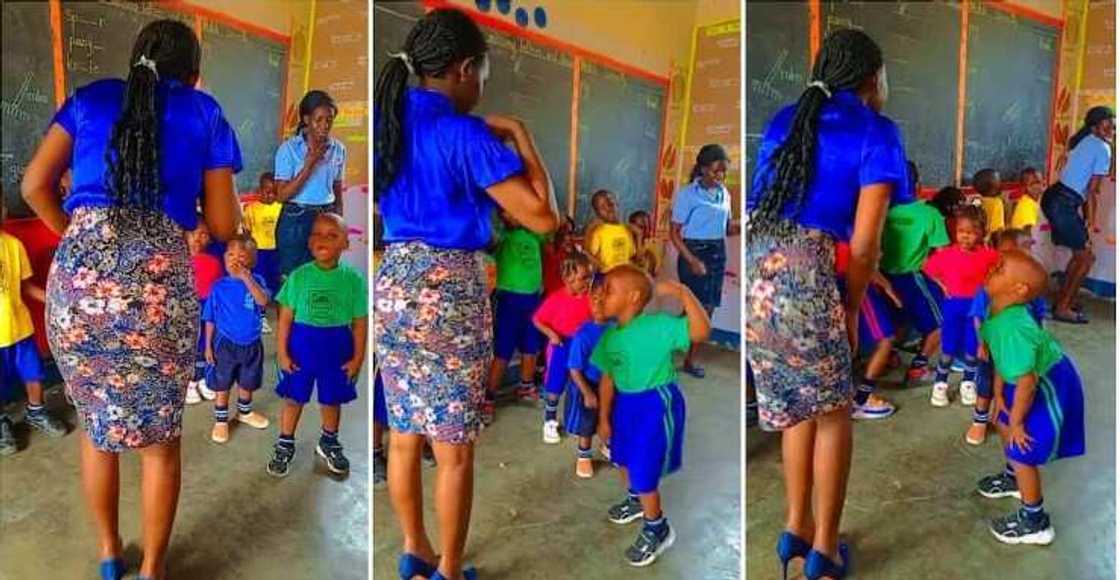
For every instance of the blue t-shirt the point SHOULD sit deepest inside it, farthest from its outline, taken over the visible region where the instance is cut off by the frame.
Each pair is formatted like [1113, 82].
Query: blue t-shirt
[1092, 156]
[319, 187]
[448, 160]
[981, 304]
[236, 316]
[856, 147]
[702, 213]
[194, 137]
[580, 349]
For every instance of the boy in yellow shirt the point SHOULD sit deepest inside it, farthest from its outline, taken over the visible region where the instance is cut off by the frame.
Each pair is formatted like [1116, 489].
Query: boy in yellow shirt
[19, 357]
[609, 242]
[1027, 209]
[260, 222]
[987, 182]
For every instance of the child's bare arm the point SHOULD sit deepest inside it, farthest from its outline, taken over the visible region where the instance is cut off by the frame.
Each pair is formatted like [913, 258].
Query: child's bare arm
[34, 290]
[699, 325]
[354, 365]
[553, 336]
[1025, 389]
[260, 296]
[210, 342]
[589, 399]
[283, 331]
[606, 402]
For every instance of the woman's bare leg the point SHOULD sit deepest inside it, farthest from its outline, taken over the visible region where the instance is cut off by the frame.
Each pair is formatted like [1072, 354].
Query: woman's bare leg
[161, 471]
[101, 487]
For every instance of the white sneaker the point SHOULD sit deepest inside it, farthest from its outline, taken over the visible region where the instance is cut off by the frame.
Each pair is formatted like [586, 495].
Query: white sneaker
[193, 398]
[551, 432]
[205, 391]
[968, 393]
[265, 327]
[868, 411]
[939, 397]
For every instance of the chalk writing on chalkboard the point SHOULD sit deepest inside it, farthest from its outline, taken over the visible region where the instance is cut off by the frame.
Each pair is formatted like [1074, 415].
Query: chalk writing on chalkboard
[780, 72]
[82, 55]
[16, 107]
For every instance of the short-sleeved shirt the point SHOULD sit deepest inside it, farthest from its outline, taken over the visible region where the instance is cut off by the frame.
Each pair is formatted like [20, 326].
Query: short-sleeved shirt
[564, 312]
[993, 209]
[1026, 213]
[319, 187]
[962, 272]
[207, 271]
[194, 138]
[438, 195]
[1092, 156]
[325, 298]
[856, 147]
[981, 305]
[15, 267]
[583, 345]
[703, 213]
[261, 219]
[1018, 344]
[519, 261]
[611, 244]
[233, 310]
[639, 356]
[912, 231]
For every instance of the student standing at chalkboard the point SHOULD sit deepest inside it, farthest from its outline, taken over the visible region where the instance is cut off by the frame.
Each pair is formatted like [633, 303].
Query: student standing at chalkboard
[829, 166]
[609, 241]
[1070, 204]
[140, 150]
[439, 174]
[308, 174]
[701, 221]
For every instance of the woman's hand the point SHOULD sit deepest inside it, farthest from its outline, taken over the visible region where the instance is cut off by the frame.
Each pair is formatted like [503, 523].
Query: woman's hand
[697, 267]
[505, 128]
[316, 149]
[851, 322]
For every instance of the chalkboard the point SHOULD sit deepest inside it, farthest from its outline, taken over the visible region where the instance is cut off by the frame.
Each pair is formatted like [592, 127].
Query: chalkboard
[28, 93]
[391, 23]
[620, 119]
[1011, 64]
[777, 65]
[245, 74]
[921, 44]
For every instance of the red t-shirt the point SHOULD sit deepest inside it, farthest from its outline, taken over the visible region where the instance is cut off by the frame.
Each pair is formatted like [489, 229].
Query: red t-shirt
[563, 312]
[961, 272]
[551, 261]
[207, 270]
[843, 256]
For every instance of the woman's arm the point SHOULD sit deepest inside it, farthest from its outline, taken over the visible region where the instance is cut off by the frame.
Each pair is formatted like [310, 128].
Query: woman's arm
[40, 180]
[336, 187]
[1092, 194]
[528, 197]
[871, 212]
[677, 238]
[734, 228]
[699, 325]
[219, 203]
[286, 190]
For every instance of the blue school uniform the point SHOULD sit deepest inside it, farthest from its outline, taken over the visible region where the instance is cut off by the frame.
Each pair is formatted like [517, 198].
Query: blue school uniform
[875, 324]
[238, 352]
[921, 297]
[958, 333]
[556, 368]
[19, 361]
[513, 324]
[578, 419]
[380, 409]
[979, 309]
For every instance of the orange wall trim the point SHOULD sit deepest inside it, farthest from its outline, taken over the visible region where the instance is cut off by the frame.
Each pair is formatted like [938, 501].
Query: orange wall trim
[814, 30]
[215, 16]
[1025, 12]
[56, 50]
[573, 145]
[962, 89]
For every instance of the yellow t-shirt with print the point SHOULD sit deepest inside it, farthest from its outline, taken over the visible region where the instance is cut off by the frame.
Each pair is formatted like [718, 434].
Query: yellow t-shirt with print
[611, 245]
[261, 220]
[15, 267]
[993, 208]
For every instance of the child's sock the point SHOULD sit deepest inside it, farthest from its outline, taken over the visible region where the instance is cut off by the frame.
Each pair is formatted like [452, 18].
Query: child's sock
[328, 436]
[550, 406]
[919, 362]
[244, 407]
[584, 452]
[980, 416]
[971, 369]
[221, 414]
[657, 524]
[633, 497]
[864, 390]
[377, 451]
[1008, 470]
[526, 385]
[288, 441]
[1033, 511]
[941, 375]
[752, 405]
[35, 411]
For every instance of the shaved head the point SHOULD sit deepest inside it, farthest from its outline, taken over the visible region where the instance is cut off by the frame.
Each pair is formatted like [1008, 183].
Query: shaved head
[629, 278]
[334, 219]
[1024, 268]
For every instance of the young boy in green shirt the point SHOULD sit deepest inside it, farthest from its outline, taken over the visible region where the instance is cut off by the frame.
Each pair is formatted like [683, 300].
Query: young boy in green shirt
[321, 343]
[641, 409]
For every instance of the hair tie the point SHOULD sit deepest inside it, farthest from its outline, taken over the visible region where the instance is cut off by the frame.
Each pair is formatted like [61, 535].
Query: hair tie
[823, 87]
[148, 64]
[407, 60]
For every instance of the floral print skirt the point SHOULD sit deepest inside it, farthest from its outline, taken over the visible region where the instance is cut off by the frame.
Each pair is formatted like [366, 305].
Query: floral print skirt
[433, 330]
[797, 343]
[122, 321]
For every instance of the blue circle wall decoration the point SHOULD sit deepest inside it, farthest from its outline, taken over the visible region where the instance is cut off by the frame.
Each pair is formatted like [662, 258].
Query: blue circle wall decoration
[483, 5]
[522, 17]
[503, 6]
[540, 17]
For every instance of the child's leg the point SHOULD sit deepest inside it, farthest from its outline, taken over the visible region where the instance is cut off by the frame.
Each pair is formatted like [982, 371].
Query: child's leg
[101, 487]
[528, 369]
[378, 437]
[221, 407]
[160, 468]
[454, 494]
[331, 416]
[1029, 478]
[876, 367]
[289, 421]
[34, 393]
[406, 493]
[497, 372]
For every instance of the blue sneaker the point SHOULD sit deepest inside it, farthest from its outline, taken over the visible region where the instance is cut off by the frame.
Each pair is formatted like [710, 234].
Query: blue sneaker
[1023, 528]
[625, 511]
[112, 569]
[649, 544]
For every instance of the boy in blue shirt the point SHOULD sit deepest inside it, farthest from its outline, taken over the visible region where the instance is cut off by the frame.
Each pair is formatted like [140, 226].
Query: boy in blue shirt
[581, 411]
[233, 315]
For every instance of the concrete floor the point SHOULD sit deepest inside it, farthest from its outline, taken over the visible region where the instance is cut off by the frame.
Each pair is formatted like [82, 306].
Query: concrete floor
[912, 509]
[234, 520]
[534, 519]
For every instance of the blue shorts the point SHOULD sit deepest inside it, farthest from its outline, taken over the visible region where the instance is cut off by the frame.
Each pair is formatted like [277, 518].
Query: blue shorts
[556, 373]
[242, 364]
[268, 267]
[921, 300]
[513, 324]
[647, 435]
[380, 411]
[319, 353]
[1056, 419]
[578, 419]
[875, 323]
[1062, 207]
[984, 380]
[958, 331]
[20, 361]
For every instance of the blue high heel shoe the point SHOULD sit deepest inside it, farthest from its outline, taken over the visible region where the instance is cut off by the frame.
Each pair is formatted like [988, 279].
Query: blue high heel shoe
[817, 565]
[410, 565]
[791, 546]
[468, 574]
[112, 569]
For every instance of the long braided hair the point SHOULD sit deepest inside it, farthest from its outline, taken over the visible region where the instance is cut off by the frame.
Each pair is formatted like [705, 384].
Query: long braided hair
[846, 59]
[134, 145]
[1092, 119]
[439, 40]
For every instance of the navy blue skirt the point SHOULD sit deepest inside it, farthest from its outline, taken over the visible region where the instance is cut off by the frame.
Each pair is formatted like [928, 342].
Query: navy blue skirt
[709, 287]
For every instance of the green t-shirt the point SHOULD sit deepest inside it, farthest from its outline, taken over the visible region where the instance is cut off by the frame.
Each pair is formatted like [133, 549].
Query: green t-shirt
[639, 356]
[1018, 344]
[519, 261]
[324, 298]
[911, 232]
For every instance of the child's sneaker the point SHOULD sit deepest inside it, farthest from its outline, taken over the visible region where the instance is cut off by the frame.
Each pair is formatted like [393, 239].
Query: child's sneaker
[605, 451]
[193, 398]
[976, 434]
[266, 328]
[939, 396]
[625, 511]
[918, 374]
[8, 443]
[968, 393]
[873, 408]
[205, 391]
[220, 432]
[1023, 528]
[45, 424]
[551, 432]
[528, 393]
[585, 469]
[331, 452]
[489, 410]
[999, 485]
[253, 419]
[649, 545]
[380, 470]
[281, 462]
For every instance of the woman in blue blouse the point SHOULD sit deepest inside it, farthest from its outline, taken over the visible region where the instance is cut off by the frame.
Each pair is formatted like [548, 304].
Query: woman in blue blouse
[308, 172]
[439, 175]
[829, 166]
[122, 315]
